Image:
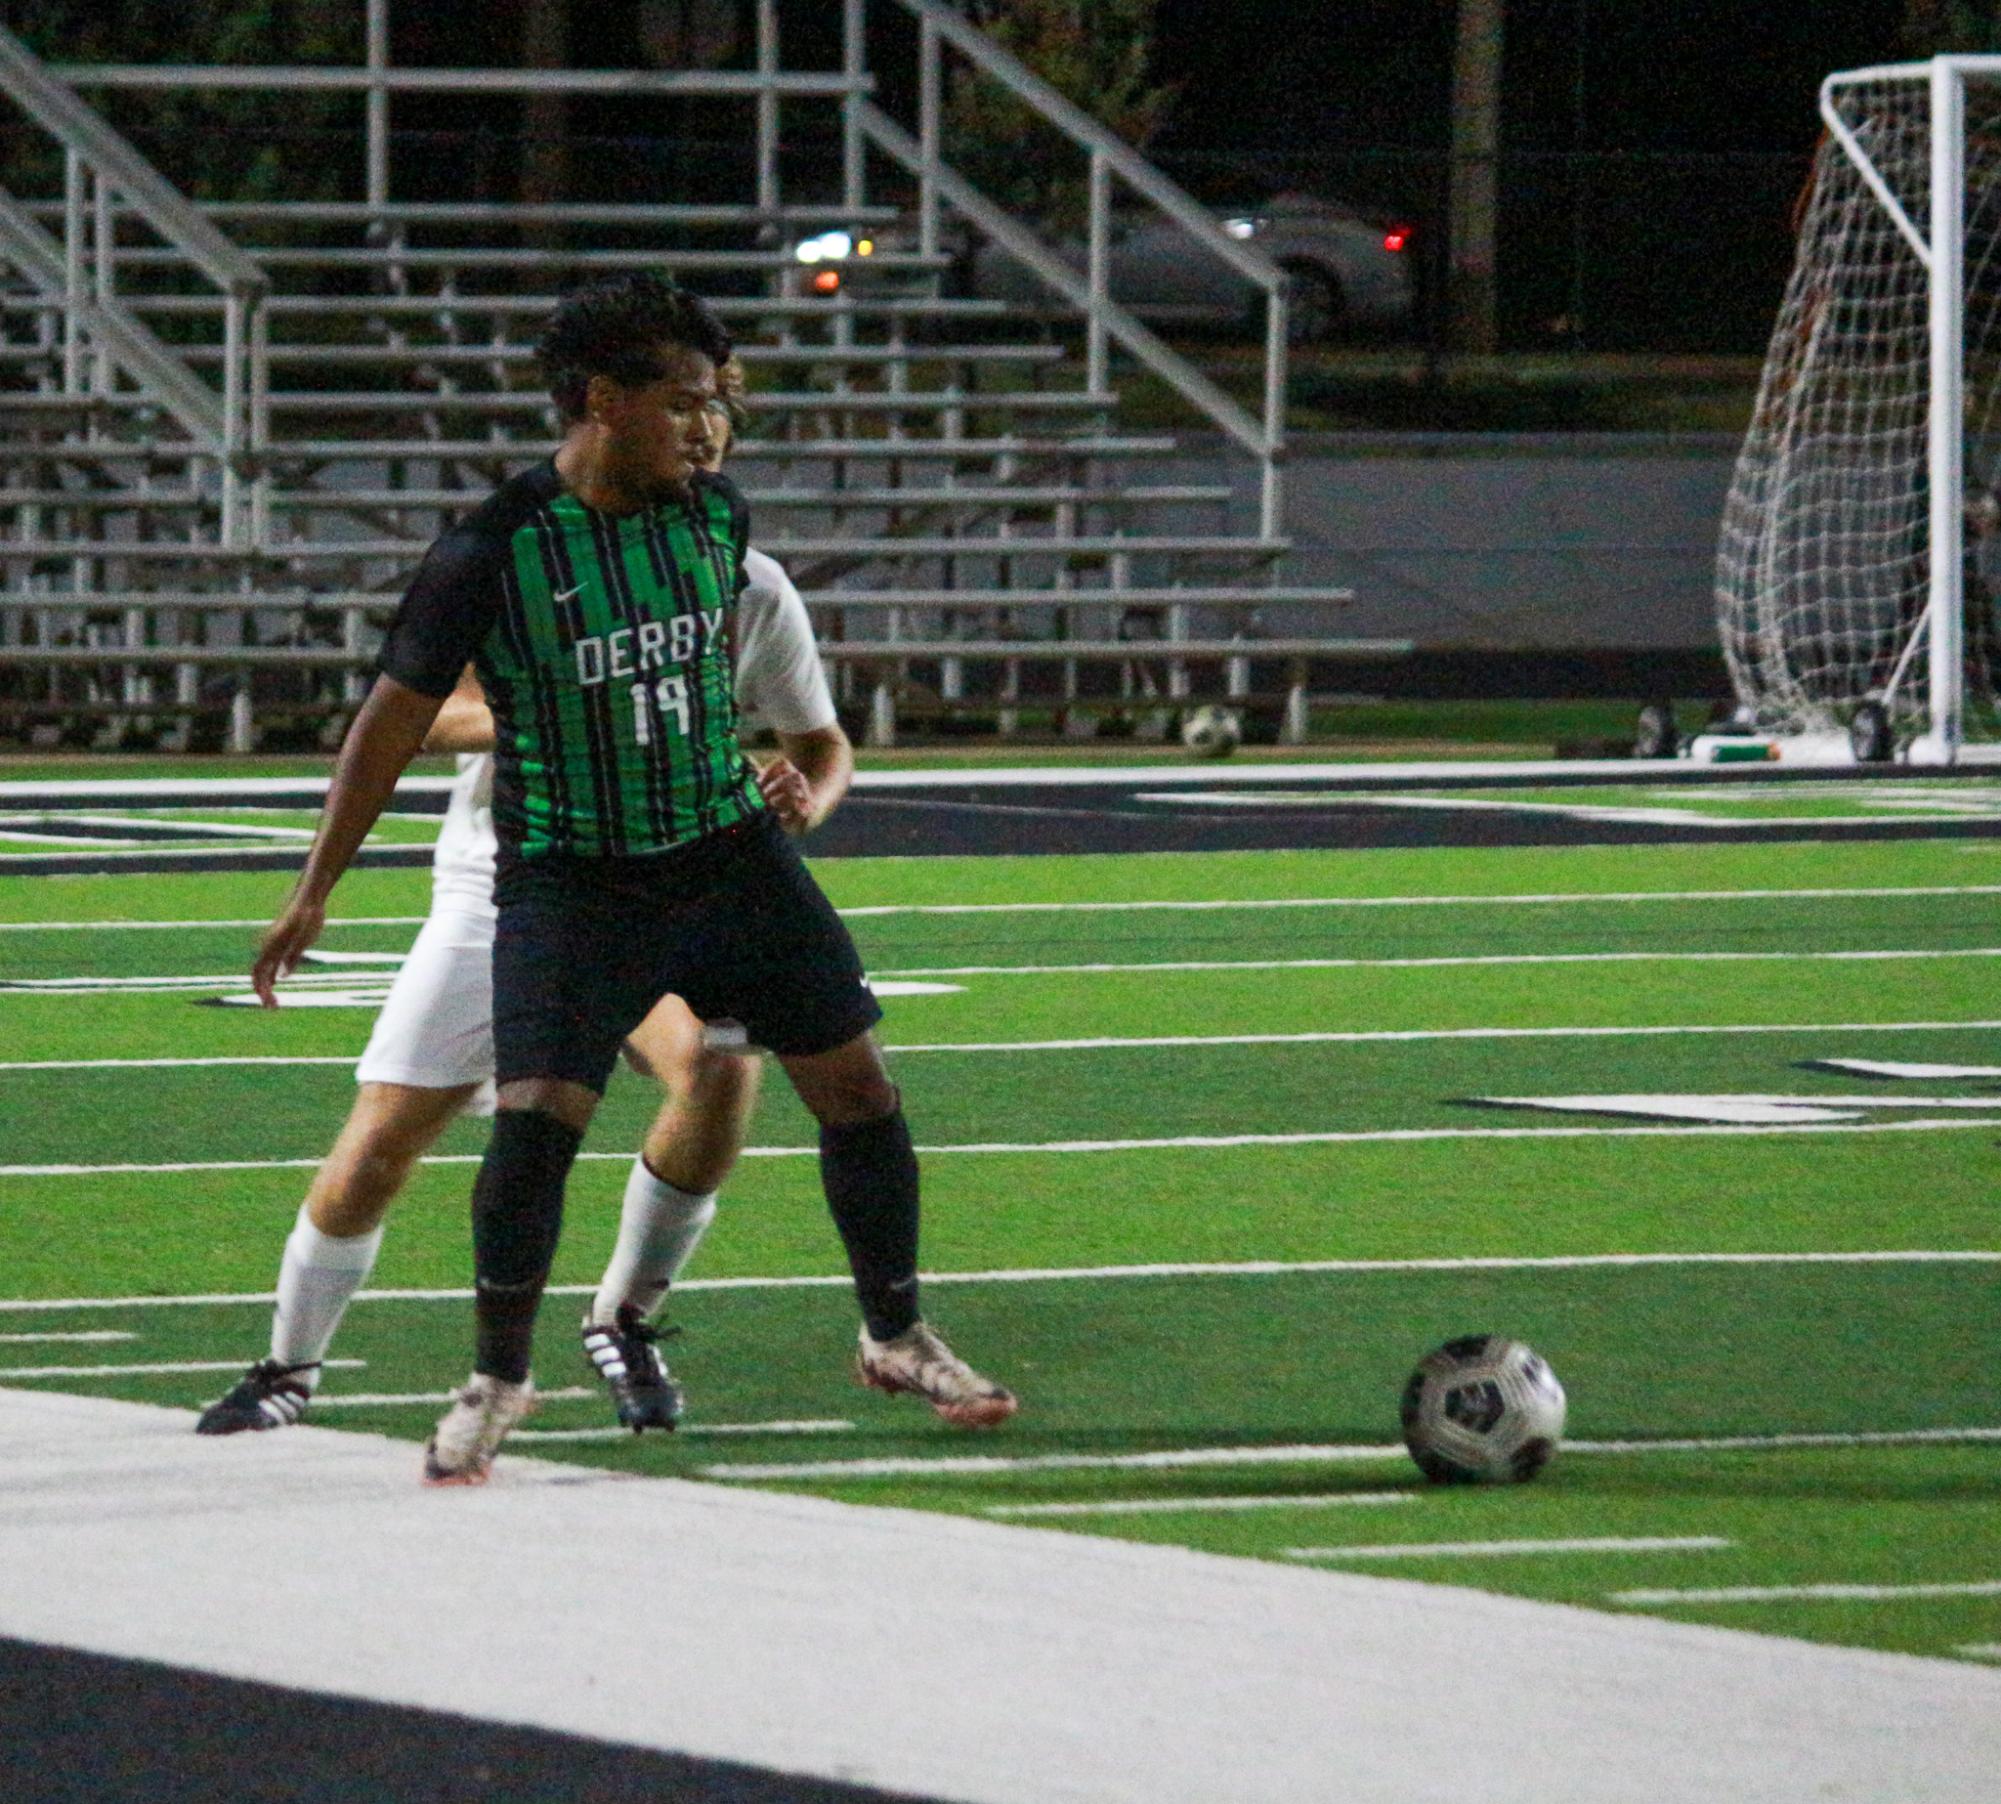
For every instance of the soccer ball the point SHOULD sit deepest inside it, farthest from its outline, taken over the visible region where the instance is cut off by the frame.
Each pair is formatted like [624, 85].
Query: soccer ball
[1482, 1410]
[1211, 731]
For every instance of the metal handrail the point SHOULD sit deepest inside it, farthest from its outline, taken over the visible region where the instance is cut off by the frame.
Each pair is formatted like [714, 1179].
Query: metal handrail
[100, 167]
[1109, 156]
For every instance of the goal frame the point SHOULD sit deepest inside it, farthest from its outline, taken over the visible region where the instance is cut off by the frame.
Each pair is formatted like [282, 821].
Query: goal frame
[1942, 253]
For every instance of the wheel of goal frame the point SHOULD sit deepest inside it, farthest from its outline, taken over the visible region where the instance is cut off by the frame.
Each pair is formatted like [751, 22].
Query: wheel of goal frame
[1842, 579]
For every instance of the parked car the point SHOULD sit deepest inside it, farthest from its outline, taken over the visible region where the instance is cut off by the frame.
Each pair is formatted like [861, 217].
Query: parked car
[1343, 272]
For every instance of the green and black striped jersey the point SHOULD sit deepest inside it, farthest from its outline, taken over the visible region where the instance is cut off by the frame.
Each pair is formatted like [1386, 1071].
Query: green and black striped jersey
[604, 643]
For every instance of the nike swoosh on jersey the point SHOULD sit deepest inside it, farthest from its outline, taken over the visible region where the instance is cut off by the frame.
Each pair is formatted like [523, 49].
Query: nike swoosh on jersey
[569, 594]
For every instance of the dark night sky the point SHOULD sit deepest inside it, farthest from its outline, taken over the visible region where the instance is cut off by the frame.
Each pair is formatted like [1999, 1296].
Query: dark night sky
[1668, 75]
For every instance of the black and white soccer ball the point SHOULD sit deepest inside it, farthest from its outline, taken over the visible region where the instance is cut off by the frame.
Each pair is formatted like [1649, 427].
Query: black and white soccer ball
[1482, 1410]
[1212, 731]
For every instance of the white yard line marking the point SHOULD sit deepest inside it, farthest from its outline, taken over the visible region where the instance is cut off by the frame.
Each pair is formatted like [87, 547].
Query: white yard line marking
[1344, 1453]
[802, 1426]
[1553, 898]
[176, 926]
[1498, 1550]
[1172, 1506]
[1184, 1142]
[1246, 1268]
[77, 1338]
[1881, 955]
[1760, 1594]
[8, 1373]
[1358, 1037]
[397, 1399]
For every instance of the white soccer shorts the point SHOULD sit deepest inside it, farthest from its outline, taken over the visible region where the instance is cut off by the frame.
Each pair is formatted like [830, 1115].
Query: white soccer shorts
[436, 1028]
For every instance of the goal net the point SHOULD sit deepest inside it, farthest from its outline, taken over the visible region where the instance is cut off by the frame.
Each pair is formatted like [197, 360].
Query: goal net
[1861, 540]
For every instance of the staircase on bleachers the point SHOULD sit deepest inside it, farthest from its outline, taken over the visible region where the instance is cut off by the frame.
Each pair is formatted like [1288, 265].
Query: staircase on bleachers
[228, 432]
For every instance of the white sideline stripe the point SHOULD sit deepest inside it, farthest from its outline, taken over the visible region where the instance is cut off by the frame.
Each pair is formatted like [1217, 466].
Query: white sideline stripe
[982, 1465]
[1759, 1594]
[1483, 1550]
[1108, 1042]
[1882, 955]
[1980, 1650]
[144, 1371]
[1055, 1665]
[1245, 1268]
[878, 910]
[1358, 1137]
[1171, 1506]
[76, 1339]
[802, 1426]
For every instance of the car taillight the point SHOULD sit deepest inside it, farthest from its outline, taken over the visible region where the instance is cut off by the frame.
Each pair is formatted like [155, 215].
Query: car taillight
[1396, 238]
[826, 281]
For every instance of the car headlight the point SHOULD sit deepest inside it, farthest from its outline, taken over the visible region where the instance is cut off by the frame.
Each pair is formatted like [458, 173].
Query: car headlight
[826, 247]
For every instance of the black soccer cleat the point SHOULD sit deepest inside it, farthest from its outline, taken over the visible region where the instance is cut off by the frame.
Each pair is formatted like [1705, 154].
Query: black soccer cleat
[642, 1389]
[269, 1395]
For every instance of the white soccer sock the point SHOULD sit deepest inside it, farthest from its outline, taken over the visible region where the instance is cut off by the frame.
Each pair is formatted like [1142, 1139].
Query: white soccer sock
[317, 1280]
[658, 1229]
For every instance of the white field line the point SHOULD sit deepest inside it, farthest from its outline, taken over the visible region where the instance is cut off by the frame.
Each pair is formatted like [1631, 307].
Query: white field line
[1882, 955]
[395, 1399]
[1553, 898]
[80, 1338]
[802, 1426]
[1980, 1650]
[1113, 1043]
[1760, 1594]
[1501, 1550]
[989, 1465]
[144, 1371]
[1247, 1268]
[171, 985]
[1172, 1506]
[1184, 1142]
[175, 926]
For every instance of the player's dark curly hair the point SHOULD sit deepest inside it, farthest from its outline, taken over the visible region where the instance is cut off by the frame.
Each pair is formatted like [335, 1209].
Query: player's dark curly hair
[615, 327]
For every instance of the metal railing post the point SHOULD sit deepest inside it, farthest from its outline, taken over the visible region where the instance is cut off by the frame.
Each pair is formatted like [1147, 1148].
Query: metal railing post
[76, 179]
[232, 415]
[929, 124]
[1271, 510]
[767, 106]
[854, 54]
[1095, 377]
[378, 103]
[104, 227]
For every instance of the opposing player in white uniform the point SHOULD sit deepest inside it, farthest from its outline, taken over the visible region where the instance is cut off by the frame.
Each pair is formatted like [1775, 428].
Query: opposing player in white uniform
[431, 1055]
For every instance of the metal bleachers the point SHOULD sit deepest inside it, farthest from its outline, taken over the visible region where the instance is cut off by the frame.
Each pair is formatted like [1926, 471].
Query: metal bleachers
[228, 431]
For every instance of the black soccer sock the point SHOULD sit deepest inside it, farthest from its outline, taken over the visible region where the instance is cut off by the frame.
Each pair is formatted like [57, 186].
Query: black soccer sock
[517, 1213]
[869, 1170]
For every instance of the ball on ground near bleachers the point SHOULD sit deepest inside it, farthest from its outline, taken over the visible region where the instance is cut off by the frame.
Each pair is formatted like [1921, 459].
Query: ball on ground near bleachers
[1482, 1410]
[1212, 731]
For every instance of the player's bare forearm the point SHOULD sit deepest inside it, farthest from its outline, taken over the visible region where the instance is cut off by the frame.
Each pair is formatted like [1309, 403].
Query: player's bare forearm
[807, 780]
[465, 722]
[384, 738]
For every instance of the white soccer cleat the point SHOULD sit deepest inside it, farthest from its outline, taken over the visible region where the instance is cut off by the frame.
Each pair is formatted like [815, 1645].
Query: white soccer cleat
[461, 1448]
[918, 1363]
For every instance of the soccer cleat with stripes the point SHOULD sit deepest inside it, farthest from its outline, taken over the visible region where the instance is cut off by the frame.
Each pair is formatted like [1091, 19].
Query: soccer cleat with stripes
[461, 1448]
[642, 1390]
[917, 1363]
[269, 1395]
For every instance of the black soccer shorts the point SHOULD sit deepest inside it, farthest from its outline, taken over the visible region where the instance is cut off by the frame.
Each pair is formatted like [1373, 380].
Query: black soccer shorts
[733, 924]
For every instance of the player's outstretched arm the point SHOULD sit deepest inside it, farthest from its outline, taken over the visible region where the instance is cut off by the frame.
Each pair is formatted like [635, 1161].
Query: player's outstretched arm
[384, 738]
[806, 781]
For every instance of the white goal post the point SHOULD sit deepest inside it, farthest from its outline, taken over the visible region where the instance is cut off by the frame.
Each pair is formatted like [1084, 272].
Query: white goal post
[1852, 592]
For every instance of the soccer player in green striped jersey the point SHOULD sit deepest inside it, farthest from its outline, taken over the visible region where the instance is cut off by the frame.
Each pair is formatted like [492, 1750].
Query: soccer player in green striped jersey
[595, 595]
